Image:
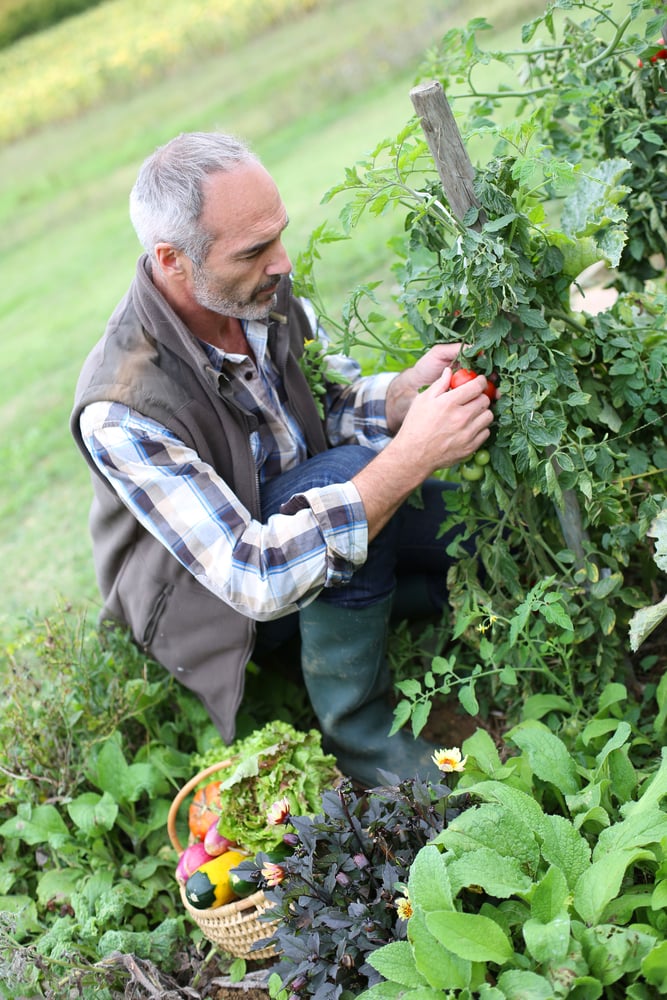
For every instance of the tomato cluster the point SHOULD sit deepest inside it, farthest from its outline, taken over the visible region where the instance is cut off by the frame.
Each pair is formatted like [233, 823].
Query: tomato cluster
[660, 54]
[463, 375]
[474, 469]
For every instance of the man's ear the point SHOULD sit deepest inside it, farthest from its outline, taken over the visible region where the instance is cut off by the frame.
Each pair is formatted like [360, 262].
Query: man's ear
[170, 260]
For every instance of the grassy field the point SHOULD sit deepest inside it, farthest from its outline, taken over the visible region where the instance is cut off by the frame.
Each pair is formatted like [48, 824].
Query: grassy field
[311, 97]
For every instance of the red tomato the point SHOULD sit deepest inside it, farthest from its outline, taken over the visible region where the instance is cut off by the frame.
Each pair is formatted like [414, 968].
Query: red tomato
[463, 375]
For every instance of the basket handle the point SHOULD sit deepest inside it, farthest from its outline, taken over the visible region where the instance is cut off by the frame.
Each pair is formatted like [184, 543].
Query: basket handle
[184, 792]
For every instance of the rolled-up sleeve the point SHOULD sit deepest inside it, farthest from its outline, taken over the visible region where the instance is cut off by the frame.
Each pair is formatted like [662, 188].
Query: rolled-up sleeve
[356, 412]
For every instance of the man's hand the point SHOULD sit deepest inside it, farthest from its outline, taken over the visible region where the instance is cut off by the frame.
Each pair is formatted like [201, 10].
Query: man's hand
[443, 426]
[426, 371]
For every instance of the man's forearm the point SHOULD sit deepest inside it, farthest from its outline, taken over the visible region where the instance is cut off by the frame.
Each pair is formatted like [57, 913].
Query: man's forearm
[384, 484]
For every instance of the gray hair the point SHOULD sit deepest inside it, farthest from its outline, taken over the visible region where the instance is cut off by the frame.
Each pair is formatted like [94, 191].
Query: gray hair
[167, 199]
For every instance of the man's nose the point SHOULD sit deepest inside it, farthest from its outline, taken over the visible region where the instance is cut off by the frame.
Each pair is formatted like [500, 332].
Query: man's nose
[281, 263]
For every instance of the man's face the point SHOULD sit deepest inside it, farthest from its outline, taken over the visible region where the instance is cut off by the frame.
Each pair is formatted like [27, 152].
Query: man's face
[244, 212]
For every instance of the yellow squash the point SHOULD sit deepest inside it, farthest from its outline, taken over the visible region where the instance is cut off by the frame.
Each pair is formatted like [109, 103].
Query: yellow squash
[209, 886]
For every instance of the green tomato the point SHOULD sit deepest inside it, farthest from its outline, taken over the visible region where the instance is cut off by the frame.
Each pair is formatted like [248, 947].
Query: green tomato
[482, 457]
[472, 472]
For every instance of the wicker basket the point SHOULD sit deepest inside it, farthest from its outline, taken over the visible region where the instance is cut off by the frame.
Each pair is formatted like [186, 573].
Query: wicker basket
[236, 926]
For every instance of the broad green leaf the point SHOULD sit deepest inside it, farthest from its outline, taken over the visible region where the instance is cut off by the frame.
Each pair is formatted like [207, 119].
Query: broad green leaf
[615, 952]
[402, 713]
[111, 905]
[420, 715]
[481, 747]
[141, 778]
[550, 942]
[587, 803]
[659, 895]
[58, 884]
[471, 936]
[396, 962]
[622, 775]
[548, 756]
[498, 875]
[468, 698]
[383, 991]
[622, 908]
[41, 825]
[521, 984]
[585, 988]
[555, 614]
[597, 728]
[109, 769]
[536, 706]
[611, 242]
[612, 694]
[494, 827]
[638, 830]
[652, 792]
[93, 813]
[564, 847]
[421, 993]
[601, 883]
[428, 882]
[661, 698]
[9, 874]
[90, 891]
[524, 807]
[654, 967]
[435, 962]
[606, 586]
[550, 896]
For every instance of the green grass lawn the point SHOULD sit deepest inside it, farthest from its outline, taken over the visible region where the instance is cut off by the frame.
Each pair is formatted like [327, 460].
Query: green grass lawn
[311, 97]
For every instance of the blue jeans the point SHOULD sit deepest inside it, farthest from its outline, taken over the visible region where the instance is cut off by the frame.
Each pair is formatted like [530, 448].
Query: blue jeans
[407, 547]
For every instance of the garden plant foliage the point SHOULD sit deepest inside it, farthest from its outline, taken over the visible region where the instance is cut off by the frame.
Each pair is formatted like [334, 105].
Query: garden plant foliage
[577, 469]
[551, 881]
[551, 885]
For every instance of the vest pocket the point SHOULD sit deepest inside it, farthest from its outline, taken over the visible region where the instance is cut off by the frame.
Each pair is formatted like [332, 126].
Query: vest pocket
[155, 614]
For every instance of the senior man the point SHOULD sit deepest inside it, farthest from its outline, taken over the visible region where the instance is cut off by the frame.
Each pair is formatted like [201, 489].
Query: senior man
[227, 514]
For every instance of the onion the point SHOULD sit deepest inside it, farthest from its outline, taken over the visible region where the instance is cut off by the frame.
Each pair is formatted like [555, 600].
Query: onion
[214, 842]
[192, 858]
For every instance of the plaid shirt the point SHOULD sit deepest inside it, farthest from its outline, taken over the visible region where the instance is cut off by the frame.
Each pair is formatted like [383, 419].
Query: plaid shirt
[266, 570]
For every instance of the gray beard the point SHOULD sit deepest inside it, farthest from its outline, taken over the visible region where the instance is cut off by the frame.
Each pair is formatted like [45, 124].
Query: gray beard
[218, 303]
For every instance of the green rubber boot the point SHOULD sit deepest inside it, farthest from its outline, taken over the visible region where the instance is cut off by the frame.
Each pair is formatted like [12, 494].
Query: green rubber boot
[347, 678]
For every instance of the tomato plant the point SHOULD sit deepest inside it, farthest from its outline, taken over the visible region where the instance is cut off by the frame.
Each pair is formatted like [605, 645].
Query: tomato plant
[571, 175]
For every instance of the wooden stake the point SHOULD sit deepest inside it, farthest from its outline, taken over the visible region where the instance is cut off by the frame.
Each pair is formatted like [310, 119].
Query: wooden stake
[452, 162]
[456, 174]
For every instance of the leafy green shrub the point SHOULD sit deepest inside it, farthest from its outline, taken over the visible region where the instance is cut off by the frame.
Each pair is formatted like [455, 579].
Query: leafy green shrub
[552, 883]
[96, 742]
[578, 462]
[19, 18]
